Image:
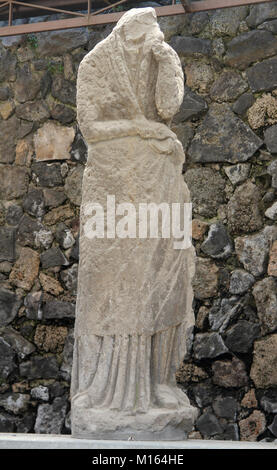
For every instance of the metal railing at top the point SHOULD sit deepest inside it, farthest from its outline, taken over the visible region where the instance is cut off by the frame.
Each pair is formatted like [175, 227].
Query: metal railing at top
[97, 12]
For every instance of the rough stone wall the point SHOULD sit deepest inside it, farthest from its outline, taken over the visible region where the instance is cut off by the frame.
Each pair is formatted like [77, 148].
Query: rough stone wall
[228, 127]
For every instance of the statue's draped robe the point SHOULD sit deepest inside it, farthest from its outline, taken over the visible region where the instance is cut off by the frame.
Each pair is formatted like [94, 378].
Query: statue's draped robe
[134, 295]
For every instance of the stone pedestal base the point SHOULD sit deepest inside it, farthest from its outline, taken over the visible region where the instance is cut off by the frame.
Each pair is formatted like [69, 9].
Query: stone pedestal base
[156, 424]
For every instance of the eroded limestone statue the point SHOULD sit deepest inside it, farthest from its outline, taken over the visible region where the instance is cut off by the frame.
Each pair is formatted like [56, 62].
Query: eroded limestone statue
[134, 303]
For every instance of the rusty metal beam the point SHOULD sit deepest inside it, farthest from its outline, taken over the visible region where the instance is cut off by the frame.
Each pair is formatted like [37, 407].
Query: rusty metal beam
[100, 19]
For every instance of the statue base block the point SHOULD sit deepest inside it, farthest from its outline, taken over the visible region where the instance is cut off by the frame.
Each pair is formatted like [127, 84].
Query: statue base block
[155, 424]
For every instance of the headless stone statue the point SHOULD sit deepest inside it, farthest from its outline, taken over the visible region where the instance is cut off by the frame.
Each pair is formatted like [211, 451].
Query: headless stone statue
[134, 302]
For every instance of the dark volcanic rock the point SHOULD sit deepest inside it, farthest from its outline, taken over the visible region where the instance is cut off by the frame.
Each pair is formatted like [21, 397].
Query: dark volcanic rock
[190, 46]
[218, 243]
[8, 175]
[8, 134]
[34, 203]
[9, 306]
[56, 43]
[193, 105]
[64, 90]
[33, 111]
[245, 209]
[14, 214]
[263, 75]
[79, 150]
[240, 337]
[39, 367]
[48, 174]
[270, 137]
[208, 345]
[58, 309]
[27, 85]
[206, 189]
[63, 114]
[7, 64]
[50, 417]
[242, 104]
[7, 244]
[223, 137]
[260, 13]
[229, 373]
[208, 424]
[53, 257]
[265, 293]
[226, 407]
[223, 312]
[27, 230]
[240, 281]
[228, 86]
[250, 47]
[7, 361]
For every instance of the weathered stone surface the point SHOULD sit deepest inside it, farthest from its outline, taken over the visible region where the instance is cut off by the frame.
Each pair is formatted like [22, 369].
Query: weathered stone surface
[53, 197]
[264, 366]
[23, 152]
[240, 337]
[28, 229]
[263, 112]
[187, 46]
[240, 281]
[199, 76]
[50, 418]
[270, 137]
[64, 90]
[55, 309]
[58, 214]
[9, 174]
[7, 244]
[63, 114]
[208, 425]
[269, 402]
[15, 402]
[5, 93]
[7, 422]
[7, 361]
[33, 111]
[223, 137]
[265, 293]
[34, 203]
[8, 132]
[33, 303]
[9, 306]
[223, 312]
[50, 338]
[226, 407]
[244, 209]
[7, 65]
[205, 281]
[250, 47]
[218, 243]
[253, 250]
[208, 345]
[228, 86]
[272, 170]
[27, 84]
[69, 278]
[25, 269]
[229, 374]
[40, 393]
[206, 189]
[225, 22]
[39, 367]
[237, 173]
[6, 109]
[64, 236]
[260, 13]
[48, 174]
[193, 105]
[79, 150]
[272, 264]
[14, 214]
[252, 426]
[53, 257]
[50, 284]
[199, 228]
[242, 104]
[188, 373]
[273, 426]
[269, 26]
[66, 366]
[21, 345]
[249, 400]
[53, 142]
[56, 43]
[262, 76]
[73, 185]
[184, 133]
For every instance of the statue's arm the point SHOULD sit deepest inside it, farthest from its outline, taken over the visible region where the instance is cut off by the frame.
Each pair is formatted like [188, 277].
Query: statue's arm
[170, 81]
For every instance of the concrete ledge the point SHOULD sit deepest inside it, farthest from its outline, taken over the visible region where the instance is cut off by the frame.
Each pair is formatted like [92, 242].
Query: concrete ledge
[51, 441]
